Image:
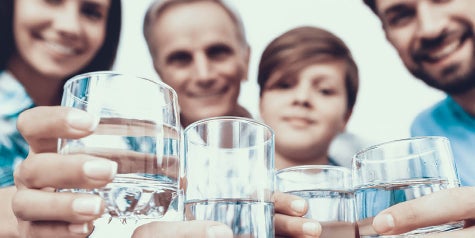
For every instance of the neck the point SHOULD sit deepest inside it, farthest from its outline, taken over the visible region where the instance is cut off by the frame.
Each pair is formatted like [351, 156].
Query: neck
[43, 90]
[282, 162]
[466, 100]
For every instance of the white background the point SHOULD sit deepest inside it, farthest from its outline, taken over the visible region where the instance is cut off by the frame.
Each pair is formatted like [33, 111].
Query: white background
[389, 97]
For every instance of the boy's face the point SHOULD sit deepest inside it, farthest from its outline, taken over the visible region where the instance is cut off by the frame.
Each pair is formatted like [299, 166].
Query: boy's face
[198, 52]
[307, 110]
[435, 39]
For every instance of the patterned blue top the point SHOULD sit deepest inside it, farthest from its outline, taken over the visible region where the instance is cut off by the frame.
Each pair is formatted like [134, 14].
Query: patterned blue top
[13, 148]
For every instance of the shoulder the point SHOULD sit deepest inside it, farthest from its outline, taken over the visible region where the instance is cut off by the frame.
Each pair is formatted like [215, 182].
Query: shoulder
[431, 117]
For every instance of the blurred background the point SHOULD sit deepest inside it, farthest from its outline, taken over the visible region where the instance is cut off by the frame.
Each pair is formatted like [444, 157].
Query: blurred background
[389, 97]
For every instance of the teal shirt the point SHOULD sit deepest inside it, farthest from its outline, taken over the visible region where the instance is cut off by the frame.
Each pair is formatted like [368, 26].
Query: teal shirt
[448, 119]
[13, 148]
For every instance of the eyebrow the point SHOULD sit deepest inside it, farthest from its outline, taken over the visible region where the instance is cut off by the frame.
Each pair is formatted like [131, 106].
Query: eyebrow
[98, 4]
[394, 9]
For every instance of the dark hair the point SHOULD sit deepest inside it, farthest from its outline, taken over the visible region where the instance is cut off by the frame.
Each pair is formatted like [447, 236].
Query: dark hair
[157, 8]
[302, 46]
[104, 58]
[371, 4]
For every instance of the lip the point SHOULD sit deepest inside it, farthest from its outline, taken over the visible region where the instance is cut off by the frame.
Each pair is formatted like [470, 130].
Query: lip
[204, 94]
[443, 52]
[299, 121]
[58, 48]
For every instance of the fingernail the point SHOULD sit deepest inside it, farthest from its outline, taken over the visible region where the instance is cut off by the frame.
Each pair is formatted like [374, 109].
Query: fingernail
[383, 223]
[298, 206]
[78, 228]
[87, 205]
[219, 232]
[100, 169]
[311, 228]
[81, 120]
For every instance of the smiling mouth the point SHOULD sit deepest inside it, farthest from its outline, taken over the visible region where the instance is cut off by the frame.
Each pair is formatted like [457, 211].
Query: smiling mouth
[299, 121]
[209, 94]
[447, 48]
[60, 48]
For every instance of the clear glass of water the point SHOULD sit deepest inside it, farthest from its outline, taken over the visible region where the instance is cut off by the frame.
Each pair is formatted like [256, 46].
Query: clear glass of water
[228, 174]
[139, 128]
[329, 193]
[398, 171]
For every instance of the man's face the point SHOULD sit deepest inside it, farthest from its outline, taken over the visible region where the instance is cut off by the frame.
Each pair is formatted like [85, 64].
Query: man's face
[434, 38]
[197, 51]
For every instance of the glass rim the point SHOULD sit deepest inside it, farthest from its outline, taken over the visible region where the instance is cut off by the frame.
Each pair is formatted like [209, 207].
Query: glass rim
[229, 118]
[79, 77]
[314, 166]
[356, 156]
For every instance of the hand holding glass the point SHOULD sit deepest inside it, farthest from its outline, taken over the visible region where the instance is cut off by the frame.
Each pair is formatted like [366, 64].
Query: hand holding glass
[398, 171]
[229, 175]
[329, 194]
[138, 127]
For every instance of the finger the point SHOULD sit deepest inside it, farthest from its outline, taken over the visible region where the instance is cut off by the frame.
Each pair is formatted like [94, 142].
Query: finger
[290, 226]
[54, 229]
[67, 207]
[198, 229]
[289, 204]
[468, 232]
[64, 171]
[42, 126]
[438, 208]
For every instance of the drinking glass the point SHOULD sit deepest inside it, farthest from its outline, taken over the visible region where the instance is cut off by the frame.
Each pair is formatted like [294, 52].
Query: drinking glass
[398, 171]
[138, 127]
[228, 174]
[329, 193]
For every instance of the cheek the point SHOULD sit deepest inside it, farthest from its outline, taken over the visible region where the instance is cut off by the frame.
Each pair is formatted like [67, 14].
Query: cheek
[267, 108]
[402, 43]
[96, 36]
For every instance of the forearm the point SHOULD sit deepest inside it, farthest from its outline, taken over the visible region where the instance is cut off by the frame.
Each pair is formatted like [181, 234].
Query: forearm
[8, 221]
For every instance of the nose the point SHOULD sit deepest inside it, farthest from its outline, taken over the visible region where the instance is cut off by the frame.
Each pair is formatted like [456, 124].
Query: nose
[302, 94]
[203, 70]
[430, 21]
[67, 21]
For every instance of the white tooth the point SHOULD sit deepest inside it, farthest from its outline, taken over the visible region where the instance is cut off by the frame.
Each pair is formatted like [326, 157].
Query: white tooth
[445, 51]
[61, 48]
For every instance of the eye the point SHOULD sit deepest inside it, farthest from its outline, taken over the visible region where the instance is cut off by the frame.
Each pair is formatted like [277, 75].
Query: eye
[179, 58]
[219, 52]
[282, 85]
[93, 11]
[400, 17]
[327, 91]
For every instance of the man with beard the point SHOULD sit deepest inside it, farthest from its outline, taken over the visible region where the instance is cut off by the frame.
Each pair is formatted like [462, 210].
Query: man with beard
[435, 40]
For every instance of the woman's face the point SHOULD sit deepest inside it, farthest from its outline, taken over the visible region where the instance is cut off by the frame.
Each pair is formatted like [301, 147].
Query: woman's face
[56, 38]
[307, 110]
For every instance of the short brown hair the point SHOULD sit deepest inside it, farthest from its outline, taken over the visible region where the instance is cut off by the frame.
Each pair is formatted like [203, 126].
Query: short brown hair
[158, 7]
[372, 5]
[302, 46]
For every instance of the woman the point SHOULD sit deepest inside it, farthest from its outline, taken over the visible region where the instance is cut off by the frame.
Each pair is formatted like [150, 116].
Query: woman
[43, 44]
[308, 86]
